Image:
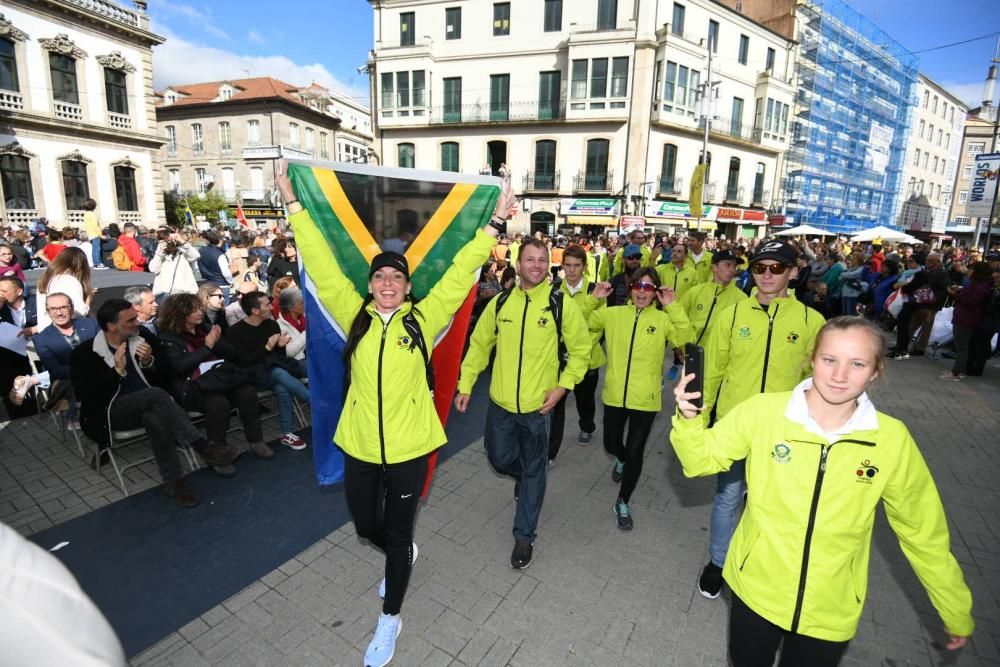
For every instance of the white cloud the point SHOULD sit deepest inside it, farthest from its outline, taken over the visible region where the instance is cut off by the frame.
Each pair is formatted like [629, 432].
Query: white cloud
[192, 15]
[179, 61]
[255, 37]
[970, 93]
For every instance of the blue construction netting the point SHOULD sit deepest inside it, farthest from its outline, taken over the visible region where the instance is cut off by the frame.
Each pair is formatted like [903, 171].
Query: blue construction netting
[856, 94]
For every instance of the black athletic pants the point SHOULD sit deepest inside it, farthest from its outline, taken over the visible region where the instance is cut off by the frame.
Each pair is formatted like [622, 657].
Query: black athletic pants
[630, 450]
[383, 505]
[754, 641]
[585, 405]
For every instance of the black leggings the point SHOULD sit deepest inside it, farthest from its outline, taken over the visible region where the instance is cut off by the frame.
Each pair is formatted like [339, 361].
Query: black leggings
[217, 408]
[630, 450]
[383, 505]
[754, 641]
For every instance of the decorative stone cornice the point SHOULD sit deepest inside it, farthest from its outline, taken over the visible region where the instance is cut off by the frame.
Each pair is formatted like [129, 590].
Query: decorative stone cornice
[125, 162]
[115, 60]
[63, 45]
[8, 30]
[75, 156]
[15, 148]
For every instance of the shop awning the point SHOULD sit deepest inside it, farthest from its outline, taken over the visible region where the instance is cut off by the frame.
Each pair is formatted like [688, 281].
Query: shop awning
[599, 220]
[706, 225]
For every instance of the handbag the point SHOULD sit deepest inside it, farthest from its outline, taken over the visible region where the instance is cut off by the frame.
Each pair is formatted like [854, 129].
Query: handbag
[221, 378]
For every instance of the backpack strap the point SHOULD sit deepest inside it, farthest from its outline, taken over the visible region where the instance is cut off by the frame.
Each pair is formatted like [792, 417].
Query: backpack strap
[498, 304]
[591, 287]
[556, 308]
[412, 326]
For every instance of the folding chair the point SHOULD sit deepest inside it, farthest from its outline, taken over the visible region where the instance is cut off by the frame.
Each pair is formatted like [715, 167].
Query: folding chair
[59, 419]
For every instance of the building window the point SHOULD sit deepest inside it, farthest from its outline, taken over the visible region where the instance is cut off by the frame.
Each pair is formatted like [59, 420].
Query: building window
[114, 89]
[947, 141]
[713, 35]
[976, 148]
[63, 71]
[599, 77]
[736, 120]
[619, 77]
[402, 89]
[501, 19]
[499, 96]
[668, 168]
[453, 99]
[920, 131]
[125, 189]
[253, 132]
[197, 141]
[405, 155]
[545, 165]
[963, 196]
[175, 179]
[388, 97]
[8, 66]
[549, 84]
[418, 90]
[553, 15]
[15, 177]
[733, 182]
[453, 23]
[962, 220]
[677, 24]
[680, 88]
[310, 139]
[934, 104]
[226, 94]
[225, 137]
[578, 86]
[916, 158]
[940, 136]
[407, 26]
[201, 179]
[229, 182]
[927, 158]
[744, 49]
[758, 185]
[934, 169]
[927, 98]
[769, 62]
[171, 139]
[937, 192]
[293, 134]
[607, 14]
[967, 172]
[257, 178]
[930, 133]
[449, 156]
[597, 164]
[75, 184]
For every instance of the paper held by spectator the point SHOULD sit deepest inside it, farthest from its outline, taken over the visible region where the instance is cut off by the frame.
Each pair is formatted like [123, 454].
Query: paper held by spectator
[9, 339]
[207, 366]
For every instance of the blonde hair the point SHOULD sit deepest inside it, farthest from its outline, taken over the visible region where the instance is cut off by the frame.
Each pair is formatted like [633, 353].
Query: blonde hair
[848, 322]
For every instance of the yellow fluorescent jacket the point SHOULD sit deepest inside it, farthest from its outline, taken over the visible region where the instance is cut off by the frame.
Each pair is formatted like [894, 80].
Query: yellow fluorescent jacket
[679, 280]
[703, 303]
[587, 305]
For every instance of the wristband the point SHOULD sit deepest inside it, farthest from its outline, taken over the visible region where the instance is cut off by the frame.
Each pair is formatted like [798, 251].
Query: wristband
[499, 224]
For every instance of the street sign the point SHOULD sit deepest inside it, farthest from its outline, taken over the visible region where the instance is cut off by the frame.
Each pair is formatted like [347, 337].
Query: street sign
[984, 185]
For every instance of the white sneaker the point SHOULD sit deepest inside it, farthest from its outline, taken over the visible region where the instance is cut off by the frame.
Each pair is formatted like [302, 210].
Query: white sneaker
[413, 559]
[383, 645]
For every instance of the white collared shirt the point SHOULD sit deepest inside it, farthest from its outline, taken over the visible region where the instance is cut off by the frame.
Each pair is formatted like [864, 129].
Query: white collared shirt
[697, 258]
[864, 417]
[573, 289]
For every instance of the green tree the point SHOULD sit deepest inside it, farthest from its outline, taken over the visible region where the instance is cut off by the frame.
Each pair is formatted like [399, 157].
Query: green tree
[208, 206]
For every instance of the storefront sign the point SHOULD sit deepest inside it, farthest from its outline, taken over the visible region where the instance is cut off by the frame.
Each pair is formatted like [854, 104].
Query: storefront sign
[741, 215]
[629, 223]
[676, 209]
[589, 207]
[259, 212]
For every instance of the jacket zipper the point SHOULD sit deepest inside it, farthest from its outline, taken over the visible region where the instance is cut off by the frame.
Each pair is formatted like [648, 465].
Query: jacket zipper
[820, 473]
[767, 350]
[520, 352]
[381, 349]
[628, 365]
[708, 320]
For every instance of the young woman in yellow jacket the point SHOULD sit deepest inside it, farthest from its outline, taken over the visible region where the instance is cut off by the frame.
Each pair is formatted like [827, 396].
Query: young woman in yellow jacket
[389, 425]
[637, 336]
[819, 459]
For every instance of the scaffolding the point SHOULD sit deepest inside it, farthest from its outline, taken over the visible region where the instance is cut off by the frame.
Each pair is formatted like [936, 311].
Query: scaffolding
[856, 94]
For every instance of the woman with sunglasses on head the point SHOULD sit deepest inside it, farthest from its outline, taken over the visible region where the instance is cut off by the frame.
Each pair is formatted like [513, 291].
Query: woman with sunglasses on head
[637, 336]
[213, 300]
[758, 346]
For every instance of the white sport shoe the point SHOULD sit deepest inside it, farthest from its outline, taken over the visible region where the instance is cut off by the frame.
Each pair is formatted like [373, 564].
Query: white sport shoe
[413, 559]
[383, 645]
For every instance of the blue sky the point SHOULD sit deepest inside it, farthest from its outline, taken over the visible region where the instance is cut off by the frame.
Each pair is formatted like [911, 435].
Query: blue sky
[326, 40]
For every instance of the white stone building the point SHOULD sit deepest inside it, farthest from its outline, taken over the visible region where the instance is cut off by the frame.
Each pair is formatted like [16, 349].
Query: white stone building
[596, 105]
[76, 112]
[933, 152]
[354, 136]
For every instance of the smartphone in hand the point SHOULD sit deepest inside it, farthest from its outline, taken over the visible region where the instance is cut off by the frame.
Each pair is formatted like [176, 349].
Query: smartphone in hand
[694, 362]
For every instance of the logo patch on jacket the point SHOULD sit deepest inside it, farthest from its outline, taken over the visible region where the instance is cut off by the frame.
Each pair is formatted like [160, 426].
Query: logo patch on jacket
[700, 306]
[405, 341]
[866, 472]
[650, 330]
[781, 453]
[792, 338]
[744, 332]
[543, 322]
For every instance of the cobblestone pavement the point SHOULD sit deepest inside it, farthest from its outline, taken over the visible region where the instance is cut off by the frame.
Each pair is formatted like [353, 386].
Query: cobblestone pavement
[593, 595]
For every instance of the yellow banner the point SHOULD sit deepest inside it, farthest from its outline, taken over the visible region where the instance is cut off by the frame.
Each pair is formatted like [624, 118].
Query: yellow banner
[694, 194]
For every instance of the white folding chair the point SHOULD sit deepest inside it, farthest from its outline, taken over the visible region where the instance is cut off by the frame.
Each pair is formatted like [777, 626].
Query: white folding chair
[59, 419]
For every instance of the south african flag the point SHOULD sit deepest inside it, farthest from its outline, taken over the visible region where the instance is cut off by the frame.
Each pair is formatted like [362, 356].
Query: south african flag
[362, 210]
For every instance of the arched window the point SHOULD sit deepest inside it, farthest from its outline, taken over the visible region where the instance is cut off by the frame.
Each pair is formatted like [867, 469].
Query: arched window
[15, 176]
[449, 156]
[405, 155]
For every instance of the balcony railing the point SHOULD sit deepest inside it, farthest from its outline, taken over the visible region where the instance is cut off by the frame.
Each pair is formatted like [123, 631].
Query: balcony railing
[68, 110]
[709, 191]
[541, 182]
[119, 121]
[760, 197]
[21, 216]
[730, 128]
[484, 113]
[734, 195]
[592, 182]
[670, 186]
[197, 151]
[11, 101]
[109, 10]
[601, 27]
[134, 217]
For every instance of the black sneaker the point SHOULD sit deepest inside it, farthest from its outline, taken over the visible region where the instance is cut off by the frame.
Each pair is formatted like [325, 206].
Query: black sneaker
[624, 516]
[520, 558]
[584, 437]
[617, 472]
[710, 581]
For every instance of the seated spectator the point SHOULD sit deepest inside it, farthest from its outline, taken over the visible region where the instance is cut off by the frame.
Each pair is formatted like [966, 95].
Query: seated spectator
[128, 242]
[15, 311]
[213, 300]
[52, 247]
[173, 263]
[188, 347]
[260, 347]
[292, 322]
[68, 274]
[9, 265]
[276, 289]
[234, 311]
[116, 378]
[142, 299]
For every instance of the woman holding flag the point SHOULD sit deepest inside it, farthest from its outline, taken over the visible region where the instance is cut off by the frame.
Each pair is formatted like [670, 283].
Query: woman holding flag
[389, 426]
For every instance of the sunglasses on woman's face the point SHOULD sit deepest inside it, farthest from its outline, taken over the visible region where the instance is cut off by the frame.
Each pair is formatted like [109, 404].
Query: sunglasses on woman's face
[644, 287]
[776, 269]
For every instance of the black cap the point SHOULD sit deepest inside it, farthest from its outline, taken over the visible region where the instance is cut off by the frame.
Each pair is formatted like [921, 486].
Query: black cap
[724, 255]
[390, 259]
[779, 251]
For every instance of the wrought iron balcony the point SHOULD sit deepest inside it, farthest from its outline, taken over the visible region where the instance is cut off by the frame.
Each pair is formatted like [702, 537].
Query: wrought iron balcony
[592, 182]
[486, 113]
[734, 194]
[670, 186]
[541, 181]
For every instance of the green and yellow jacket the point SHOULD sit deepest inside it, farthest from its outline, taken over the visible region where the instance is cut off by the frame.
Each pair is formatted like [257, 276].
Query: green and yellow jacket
[588, 305]
[637, 341]
[527, 360]
[598, 268]
[799, 556]
[681, 280]
[389, 414]
[750, 350]
[702, 266]
[703, 303]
